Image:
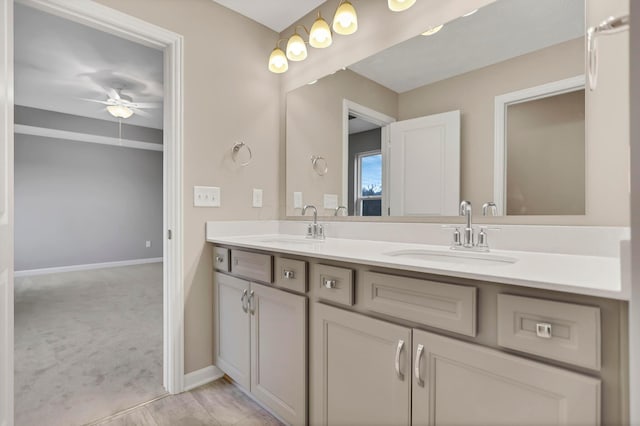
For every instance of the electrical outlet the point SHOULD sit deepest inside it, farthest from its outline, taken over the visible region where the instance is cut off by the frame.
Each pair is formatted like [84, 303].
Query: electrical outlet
[147, 244]
[297, 200]
[206, 196]
[257, 197]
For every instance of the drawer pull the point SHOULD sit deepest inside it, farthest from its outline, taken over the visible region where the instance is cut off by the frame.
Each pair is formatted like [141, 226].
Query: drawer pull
[219, 259]
[543, 330]
[242, 299]
[289, 275]
[236, 261]
[329, 283]
[252, 308]
[397, 363]
[416, 367]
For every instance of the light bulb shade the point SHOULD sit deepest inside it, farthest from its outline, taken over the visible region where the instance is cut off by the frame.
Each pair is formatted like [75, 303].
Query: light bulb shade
[432, 31]
[400, 5]
[296, 49]
[320, 35]
[120, 111]
[278, 61]
[345, 21]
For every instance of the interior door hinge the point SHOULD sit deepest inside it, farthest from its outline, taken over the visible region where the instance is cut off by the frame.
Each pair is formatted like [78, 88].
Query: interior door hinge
[169, 234]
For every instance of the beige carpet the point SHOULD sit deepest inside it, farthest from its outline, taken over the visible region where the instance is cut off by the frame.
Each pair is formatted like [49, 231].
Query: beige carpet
[87, 344]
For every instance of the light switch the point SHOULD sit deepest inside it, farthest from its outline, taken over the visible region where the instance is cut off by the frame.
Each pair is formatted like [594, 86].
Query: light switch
[206, 196]
[330, 201]
[257, 197]
[297, 200]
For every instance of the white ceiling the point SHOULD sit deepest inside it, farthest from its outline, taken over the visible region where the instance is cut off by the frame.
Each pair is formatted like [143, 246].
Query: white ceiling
[274, 14]
[497, 32]
[59, 62]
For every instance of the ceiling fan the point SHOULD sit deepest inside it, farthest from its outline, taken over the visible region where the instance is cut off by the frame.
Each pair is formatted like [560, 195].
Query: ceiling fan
[122, 106]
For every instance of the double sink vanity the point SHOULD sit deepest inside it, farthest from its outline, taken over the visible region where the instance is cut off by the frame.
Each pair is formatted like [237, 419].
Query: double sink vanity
[355, 331]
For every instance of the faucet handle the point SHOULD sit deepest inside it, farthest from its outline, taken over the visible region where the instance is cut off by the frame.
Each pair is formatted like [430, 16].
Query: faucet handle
[456, 234]
[482, 236]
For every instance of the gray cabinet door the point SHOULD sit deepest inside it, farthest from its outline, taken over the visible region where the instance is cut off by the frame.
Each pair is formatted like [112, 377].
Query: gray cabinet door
[279, 352]
[361, 369]
[232, 328]
[457, 383]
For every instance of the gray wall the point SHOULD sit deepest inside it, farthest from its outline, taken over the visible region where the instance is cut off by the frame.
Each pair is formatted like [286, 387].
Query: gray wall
[360, 142]
[79, 203]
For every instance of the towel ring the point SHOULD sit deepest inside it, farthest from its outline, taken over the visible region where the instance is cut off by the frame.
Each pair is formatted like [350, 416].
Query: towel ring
[236, 149]
[320, 165]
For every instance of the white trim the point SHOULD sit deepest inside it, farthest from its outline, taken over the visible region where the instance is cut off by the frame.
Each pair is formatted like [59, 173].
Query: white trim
[202, 377]
[112, 21]
[372, 116]
[500, 119]
[45, 132]
[86, 267]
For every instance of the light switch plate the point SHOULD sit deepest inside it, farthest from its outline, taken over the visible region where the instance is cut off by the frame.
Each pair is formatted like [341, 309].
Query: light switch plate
[330, 201]
[257, 197]
[206, 196]
[297, 200]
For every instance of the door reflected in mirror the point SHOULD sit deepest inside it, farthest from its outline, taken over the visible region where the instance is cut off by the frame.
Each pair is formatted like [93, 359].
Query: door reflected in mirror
[412, 129]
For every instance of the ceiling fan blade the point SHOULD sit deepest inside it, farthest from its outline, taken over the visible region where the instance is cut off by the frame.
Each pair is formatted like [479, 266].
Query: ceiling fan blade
[96, 101]
[141, 113]
[146, 105]
[113, 94]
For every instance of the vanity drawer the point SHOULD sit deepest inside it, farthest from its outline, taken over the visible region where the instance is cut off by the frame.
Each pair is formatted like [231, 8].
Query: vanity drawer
[221, 259]
[333, 283]
[255, 266]
[556, 330]
[291, 274]
[446, 306]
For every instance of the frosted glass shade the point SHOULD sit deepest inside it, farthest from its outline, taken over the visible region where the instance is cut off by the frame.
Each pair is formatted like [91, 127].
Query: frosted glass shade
[278, 61]
[320, 35]
[296, 49]
[345, 21]
[432, 31]
[120, 111]
[400, 5]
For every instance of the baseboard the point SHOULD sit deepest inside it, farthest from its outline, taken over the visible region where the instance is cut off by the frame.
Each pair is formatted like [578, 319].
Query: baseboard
[72, 268]
[201, 377]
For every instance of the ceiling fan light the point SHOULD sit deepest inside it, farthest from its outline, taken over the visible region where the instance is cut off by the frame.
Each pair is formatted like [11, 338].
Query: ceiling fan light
[432, 30]
[320, 35]
[296, 49]
[120, 111]
[345, 21]
[400, 5]
[278, 61]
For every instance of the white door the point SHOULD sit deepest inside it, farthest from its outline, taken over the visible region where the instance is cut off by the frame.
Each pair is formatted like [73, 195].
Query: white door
[6, 213]
[424, 166]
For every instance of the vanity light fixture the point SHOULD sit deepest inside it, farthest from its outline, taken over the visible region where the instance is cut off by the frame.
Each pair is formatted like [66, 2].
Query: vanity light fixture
[400, 5]
[433, 30]
[278, 60]
[470, 13]
[120, 111]
[296, 48]
[345, 21]
[320, 35]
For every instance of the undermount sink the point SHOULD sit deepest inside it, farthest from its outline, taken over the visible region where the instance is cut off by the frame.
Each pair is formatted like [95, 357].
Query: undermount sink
[469, 258]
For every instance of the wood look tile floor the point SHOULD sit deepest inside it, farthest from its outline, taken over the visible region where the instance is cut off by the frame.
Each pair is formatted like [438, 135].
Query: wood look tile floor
[218, 403]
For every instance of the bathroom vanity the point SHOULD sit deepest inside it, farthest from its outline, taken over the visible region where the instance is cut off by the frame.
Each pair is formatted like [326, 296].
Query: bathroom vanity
[349, 331]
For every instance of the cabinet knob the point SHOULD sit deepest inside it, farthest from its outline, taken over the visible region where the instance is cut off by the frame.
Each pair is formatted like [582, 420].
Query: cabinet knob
[288, 274]
[327, 283]
[543, 330]
[219, 259]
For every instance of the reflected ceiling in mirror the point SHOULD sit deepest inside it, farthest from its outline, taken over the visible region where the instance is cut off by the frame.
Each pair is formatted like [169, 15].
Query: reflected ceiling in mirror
[410, 131]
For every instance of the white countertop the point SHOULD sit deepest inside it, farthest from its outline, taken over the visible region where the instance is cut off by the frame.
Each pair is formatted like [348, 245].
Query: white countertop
[579, 274]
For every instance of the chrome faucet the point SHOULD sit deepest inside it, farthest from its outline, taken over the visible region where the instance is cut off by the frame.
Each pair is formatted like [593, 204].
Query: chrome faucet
[338, 210]
[313, 229]
[489, 207]
[467, 235]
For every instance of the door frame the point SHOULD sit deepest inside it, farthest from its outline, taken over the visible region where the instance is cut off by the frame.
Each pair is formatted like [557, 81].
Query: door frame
[372, 116]
[542, 91]
[112, 21]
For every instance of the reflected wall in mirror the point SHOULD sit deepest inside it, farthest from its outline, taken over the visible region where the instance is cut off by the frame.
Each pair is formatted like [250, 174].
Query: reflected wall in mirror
[410, 131]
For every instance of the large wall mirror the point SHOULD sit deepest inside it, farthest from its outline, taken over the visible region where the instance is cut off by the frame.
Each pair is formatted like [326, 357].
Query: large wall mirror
[488, 108]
